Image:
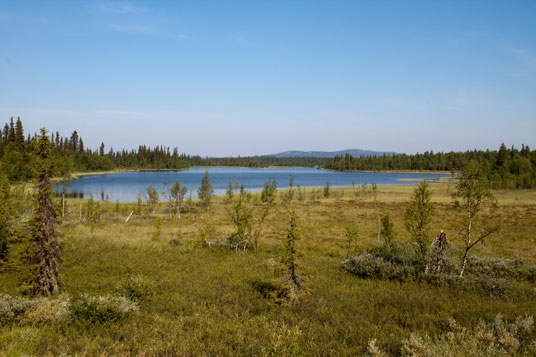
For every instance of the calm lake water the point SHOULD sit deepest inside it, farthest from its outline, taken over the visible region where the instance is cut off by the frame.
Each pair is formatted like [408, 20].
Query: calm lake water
[125, 186]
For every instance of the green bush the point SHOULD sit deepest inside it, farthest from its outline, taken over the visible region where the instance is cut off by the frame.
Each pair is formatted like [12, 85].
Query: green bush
[501, 268]
[495, 338]
[102, 309]
[34, 311]
[14, 308]
[136, 288]
[369, 266]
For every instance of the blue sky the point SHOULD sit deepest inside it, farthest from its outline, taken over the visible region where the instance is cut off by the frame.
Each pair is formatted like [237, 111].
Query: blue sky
[255, 77]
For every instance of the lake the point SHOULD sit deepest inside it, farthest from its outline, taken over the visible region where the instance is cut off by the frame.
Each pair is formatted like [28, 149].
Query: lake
[125, 186]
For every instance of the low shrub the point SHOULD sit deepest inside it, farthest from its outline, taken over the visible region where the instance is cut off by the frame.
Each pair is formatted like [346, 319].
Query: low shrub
[136, 288]
[20, 309]
[369, 266]
[102, 309]
[14, 308]
[48, 310]
[501, 268]
[494, 338]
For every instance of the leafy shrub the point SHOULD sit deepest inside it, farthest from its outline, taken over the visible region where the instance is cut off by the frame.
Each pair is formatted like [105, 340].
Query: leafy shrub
[19, 309]
[102, 309]
[13, 308]
[136, 288]
[397, 252]
[501, 268]
[495, 338]
[369, 266]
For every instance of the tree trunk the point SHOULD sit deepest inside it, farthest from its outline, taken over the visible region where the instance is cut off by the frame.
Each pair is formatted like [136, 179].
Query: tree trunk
[467, 242]
[464, 261]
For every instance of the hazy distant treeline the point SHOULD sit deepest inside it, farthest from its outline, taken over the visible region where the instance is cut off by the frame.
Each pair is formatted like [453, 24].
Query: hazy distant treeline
[505, 168]
[257, 161]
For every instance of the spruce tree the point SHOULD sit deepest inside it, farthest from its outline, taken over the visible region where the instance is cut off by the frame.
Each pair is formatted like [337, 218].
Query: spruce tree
[46, 249]
[19, 135]
[293, 281]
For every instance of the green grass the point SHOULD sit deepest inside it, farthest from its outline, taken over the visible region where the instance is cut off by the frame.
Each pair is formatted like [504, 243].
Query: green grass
[204, 302]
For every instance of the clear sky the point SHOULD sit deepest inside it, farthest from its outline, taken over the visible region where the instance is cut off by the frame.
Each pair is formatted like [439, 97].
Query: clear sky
[257, 77]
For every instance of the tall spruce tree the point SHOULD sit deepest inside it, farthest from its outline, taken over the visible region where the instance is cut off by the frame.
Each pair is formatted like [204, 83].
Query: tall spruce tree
[46, 250]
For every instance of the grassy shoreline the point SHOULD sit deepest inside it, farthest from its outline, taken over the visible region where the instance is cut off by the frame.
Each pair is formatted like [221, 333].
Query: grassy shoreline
[204, 301]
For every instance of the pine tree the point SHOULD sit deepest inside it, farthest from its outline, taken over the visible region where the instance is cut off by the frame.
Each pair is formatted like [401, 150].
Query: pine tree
[46, 250]
[11, 135]
[19, 136]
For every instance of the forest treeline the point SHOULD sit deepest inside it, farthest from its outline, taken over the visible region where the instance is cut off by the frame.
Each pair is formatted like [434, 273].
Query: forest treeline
[17, 154]
[504, 168]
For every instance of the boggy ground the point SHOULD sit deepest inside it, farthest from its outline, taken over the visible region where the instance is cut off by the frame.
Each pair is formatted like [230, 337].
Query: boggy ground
[204, 302]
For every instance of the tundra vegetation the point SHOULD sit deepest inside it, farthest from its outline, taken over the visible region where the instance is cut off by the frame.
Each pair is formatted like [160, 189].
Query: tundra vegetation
[272, 276]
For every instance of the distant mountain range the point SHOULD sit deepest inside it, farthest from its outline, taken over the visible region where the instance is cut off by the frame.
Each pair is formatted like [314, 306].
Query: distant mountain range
[353, 152]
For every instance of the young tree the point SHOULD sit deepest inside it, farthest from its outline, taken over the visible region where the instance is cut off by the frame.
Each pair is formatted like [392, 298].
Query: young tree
[418, 216]
[5, 215]
[269, 191]
[326, 189]
[205, 192]
[46, 249]
[387, 231]
[229, 192]
[289, 258]
[290, 194]
[474, 192]
[178, 193]
[152, 198]
[241, 217]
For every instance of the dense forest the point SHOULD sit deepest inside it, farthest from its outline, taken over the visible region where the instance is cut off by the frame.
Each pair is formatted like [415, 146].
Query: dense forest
[505, 168]
[69, 154]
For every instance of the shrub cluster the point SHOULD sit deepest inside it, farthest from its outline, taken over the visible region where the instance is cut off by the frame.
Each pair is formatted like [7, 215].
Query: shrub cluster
[495, 338]
[501, 268]
[91, 308]
[102, 309]
[19, 309]
[403, 268]
[136, 288]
